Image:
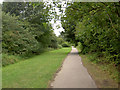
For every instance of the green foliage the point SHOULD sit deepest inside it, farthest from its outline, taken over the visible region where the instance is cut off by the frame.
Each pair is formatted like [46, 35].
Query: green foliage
[18, 6]
[16, 39]
[59, 46]
[0, 29]
[65, 44]
[26, 29]
[60, 40]
[9, 59]
[79, 46]
[26, 10]
[96, 26]
[53, 42]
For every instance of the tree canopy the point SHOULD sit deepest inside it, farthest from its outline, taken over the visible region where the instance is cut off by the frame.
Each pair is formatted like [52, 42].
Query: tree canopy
[96, 27]
[26, 28]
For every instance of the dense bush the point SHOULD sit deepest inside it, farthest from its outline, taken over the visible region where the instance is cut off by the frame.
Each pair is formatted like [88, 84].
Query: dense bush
[54, 42]
[26, 31]
[59, 46]
[9, 59]
[79, 46]
[0, 29]
[65, 44]
[16, 39]
[60, 40]
[96, 27]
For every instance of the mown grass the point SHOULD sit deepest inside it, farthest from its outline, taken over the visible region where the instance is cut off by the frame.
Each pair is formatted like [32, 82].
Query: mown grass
[35, 72]
[105, 76]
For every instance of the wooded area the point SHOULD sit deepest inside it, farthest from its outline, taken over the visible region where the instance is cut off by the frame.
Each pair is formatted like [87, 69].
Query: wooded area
[92, 27]
[95, 29]
[26, 31]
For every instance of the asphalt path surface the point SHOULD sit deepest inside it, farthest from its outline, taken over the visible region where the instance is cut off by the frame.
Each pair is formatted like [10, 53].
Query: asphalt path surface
[73, 74]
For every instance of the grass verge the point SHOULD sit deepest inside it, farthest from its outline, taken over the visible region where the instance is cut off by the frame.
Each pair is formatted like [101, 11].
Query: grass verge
[99, 73]
[35, 72]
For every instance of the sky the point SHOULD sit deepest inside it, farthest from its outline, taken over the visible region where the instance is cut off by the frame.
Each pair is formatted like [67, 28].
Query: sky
[56, 30]
[1, 1]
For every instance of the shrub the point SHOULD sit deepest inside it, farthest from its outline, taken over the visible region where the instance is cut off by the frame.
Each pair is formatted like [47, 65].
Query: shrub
[85, 50]
[80, 47]
[9, 59]
[16, 39]
[60, 40]
[59, 46]
[65, 44]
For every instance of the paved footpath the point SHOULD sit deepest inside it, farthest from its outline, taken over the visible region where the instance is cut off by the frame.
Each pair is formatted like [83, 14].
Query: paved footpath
[73, 74]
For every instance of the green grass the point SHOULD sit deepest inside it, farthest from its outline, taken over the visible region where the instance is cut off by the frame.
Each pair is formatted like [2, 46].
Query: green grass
[35, 72]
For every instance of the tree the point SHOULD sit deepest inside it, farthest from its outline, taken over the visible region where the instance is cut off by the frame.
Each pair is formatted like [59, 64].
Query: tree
[16, 39]
[29, 23]
[96, 26]
[0, 29]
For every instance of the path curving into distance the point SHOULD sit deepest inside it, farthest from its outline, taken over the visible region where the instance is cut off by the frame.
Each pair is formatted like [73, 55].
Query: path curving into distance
[73, 74]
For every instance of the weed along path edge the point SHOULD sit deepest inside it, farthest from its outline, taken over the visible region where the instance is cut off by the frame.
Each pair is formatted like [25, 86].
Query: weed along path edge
[73, 74]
